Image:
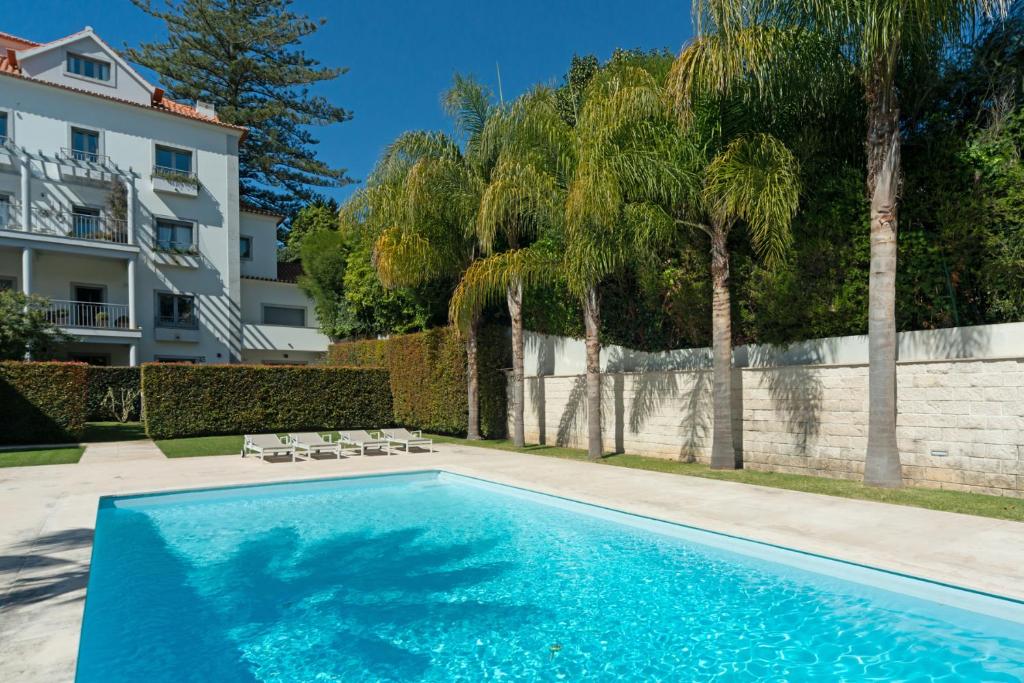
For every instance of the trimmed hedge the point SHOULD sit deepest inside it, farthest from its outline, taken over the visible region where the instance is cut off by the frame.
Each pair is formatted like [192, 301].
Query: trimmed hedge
[195, 400]
[43, 403]
[101, 379]
[428, 377]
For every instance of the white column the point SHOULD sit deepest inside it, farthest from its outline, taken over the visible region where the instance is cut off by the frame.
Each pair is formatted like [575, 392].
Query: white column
[131, 209]
[26, 196]
[133, 358]
[131, 294]
[26, 270]
[26, 280]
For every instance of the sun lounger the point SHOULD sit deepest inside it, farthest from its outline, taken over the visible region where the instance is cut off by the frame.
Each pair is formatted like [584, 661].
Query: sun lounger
[403, 437]
[262, 445]
[309, 444]
[361, 441]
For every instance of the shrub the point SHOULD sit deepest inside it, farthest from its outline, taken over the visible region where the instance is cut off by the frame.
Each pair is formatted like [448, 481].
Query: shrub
[42, 402]
[195, 400]
[364, 353]
[428, 377]
[121, 380]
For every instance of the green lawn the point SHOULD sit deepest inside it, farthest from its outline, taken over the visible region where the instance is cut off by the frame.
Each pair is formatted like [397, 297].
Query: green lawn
[949, 501]
[98, 432]
[41, 456]
[201, 445]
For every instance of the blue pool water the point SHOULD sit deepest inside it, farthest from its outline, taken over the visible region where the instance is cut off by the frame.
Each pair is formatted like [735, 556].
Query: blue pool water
[434, 577]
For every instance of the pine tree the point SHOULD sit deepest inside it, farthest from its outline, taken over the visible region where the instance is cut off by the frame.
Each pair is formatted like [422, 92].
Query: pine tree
[242, 56]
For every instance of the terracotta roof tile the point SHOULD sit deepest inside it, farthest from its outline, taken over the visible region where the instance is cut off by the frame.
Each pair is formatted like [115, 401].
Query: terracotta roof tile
[286, 272]
[250, 208]
[10, 67]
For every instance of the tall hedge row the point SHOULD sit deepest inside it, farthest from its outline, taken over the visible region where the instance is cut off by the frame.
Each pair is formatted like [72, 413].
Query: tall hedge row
[43, 403]
[428, 377]
[195, 400]
[101, 379]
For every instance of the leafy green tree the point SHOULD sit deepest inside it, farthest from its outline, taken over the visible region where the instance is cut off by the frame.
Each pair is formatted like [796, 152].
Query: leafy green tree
[241, 56]
[319, 215]
[26, 330]
[810, 44]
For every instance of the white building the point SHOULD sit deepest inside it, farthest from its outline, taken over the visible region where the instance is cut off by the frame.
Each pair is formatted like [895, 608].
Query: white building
[175, 270]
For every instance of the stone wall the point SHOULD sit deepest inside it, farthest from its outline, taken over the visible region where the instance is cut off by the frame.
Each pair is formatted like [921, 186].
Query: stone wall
[960, 424]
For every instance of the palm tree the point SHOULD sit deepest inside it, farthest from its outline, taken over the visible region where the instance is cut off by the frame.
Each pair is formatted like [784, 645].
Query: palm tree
[599, 188]
[421, 201]
[753, 180]
[777, 44]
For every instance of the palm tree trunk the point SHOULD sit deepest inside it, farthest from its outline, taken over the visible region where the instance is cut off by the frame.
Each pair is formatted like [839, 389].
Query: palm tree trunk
[592, 323]
[882, 461]
[723, 452]
[514, 294]
[472, 380]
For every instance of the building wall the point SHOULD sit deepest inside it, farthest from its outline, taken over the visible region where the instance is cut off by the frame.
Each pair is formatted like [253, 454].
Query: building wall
[263, 231]
[960, 424]
[43, 117]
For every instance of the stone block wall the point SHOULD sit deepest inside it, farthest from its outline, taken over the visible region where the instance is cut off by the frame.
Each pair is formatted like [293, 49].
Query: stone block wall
[960, 423]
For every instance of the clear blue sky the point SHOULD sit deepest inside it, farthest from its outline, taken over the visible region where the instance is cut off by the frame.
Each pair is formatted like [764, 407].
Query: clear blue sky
[401, 54]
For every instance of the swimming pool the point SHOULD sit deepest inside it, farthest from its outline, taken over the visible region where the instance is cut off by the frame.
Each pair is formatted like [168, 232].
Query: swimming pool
[432, 576]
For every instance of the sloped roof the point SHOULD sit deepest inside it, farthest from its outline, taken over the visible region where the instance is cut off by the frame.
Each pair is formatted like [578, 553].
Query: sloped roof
[9, 66]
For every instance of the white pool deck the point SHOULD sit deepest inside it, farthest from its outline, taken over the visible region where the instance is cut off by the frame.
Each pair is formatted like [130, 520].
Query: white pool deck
[47, 516]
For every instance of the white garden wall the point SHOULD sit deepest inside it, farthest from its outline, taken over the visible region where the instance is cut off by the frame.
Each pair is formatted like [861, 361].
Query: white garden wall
[960, 399]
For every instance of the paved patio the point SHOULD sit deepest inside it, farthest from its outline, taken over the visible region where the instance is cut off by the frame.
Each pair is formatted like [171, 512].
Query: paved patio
[48, 515]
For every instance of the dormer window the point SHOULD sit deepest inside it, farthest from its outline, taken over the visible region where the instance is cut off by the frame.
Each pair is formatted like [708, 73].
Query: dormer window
[87, 67]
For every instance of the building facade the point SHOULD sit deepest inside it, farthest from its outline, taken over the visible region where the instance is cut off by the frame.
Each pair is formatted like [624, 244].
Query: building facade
[122, 208]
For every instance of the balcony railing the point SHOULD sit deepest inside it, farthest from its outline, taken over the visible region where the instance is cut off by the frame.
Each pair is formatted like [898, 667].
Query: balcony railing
[85, 226]
[181, 322]
[88, 314]
[82, 155]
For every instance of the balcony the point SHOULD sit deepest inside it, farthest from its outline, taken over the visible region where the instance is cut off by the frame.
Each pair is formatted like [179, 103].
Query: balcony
[92, 227]
[81, 166]
[174, 181]
[89, 314]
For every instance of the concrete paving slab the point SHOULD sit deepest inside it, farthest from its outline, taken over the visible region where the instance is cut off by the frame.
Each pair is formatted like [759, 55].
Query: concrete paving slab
[47, 517]
[120, 451]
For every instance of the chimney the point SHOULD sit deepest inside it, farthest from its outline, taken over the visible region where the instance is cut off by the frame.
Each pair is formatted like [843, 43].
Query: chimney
[206, 109]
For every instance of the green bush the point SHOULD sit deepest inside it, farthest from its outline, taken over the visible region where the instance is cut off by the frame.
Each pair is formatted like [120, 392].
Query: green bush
[364, 353]
[102, 379]
[197, 400]
[43, 402]
[428, 377]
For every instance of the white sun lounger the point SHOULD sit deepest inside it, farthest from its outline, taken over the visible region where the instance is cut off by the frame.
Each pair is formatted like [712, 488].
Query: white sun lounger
[361, 440]
[309, 444]
[262, 445]
[403, 437]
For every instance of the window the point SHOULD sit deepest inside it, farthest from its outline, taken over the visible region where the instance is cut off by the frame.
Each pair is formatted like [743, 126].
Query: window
[245, 247]
[3, 127]
[174, 161]
[88, 67]
[176, 236]
[181, 359]
[5, 211]
[90, 358]
[7, 283]
[85, 145]
[176, 310]
[85, 222]
[284, 315]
